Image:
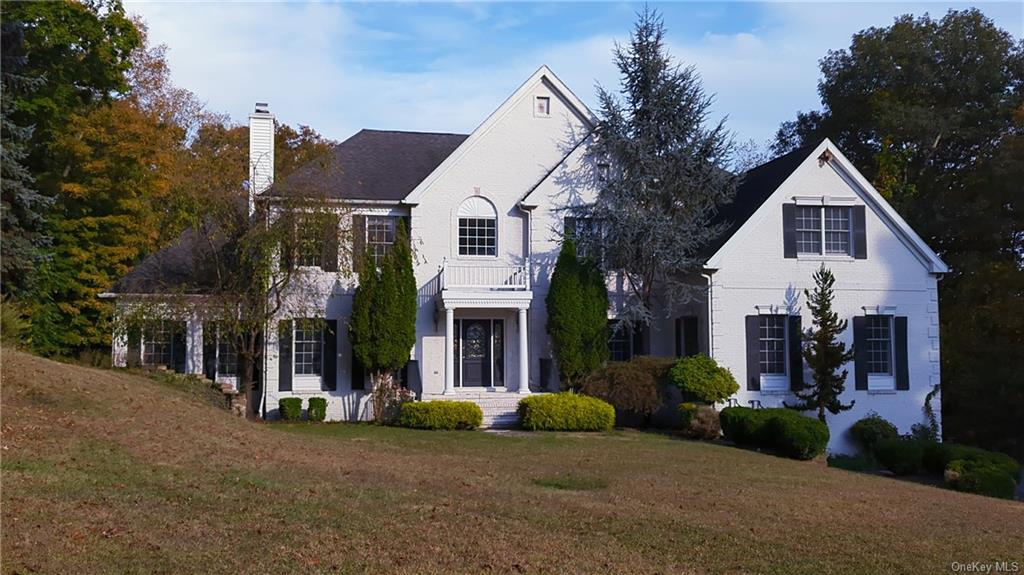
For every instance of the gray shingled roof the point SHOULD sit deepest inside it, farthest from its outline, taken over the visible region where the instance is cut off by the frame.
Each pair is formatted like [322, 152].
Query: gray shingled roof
[374, 165]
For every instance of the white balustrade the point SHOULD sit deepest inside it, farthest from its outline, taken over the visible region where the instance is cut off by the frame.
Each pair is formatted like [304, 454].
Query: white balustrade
[485, 276]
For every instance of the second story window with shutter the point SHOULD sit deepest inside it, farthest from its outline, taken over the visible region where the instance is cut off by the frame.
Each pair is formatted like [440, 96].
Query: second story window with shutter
[816, 230]
[380, 236]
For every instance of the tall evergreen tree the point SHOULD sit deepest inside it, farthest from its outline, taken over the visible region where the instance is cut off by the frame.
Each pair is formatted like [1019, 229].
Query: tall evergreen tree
[823, 352]
[383, 322]
[577, 305]
[667, 175]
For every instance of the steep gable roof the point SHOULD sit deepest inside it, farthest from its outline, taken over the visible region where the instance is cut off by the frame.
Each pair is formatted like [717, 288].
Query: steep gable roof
[762, 182]
[373, 165]
[543, 74]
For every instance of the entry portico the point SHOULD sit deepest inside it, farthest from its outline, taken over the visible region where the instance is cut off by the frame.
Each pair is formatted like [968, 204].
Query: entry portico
[483, 296]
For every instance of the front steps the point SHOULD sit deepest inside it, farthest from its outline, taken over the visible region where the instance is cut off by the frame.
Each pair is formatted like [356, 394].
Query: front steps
[499, 407]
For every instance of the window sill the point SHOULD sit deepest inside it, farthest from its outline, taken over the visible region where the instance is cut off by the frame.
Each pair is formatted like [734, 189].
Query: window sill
[826, 257]
[881, 392]
[775, 392]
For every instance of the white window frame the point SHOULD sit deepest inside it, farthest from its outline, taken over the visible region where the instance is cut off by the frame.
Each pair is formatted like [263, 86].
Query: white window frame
[306, 381]
[884, 381]
[393, 222]
[317, 242]
[473, 208]
[776, 381]
[537, 113]
[220, 341]
[161, 326]
[822, 206]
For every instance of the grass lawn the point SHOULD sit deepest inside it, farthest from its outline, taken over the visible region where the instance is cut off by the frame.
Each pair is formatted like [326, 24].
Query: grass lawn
[108, 472]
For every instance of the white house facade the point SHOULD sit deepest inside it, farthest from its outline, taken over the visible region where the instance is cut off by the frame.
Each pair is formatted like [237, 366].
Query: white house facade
[486, 213]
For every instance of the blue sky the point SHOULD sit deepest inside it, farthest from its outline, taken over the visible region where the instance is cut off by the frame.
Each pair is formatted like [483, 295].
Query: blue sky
[445, 67]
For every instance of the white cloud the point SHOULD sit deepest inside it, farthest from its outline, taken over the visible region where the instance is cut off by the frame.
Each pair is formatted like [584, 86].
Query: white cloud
[315, 63]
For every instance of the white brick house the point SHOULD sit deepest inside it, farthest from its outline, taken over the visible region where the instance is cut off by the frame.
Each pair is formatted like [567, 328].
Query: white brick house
[486, 214]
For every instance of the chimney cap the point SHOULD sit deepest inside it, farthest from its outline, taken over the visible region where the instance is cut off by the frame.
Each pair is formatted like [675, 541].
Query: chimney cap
[262, 108]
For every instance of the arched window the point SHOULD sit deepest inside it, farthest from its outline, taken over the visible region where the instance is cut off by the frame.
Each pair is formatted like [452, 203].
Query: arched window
[478, 228]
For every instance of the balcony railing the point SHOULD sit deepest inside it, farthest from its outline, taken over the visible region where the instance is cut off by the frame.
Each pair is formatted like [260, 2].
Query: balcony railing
[484, 276]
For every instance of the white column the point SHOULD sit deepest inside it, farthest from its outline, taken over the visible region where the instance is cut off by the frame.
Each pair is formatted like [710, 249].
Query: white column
[194, 345]
[449, 351]
[524, 354]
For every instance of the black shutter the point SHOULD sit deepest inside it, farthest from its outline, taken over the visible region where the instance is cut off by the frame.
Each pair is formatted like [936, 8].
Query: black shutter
[329, 257]
[412, 375]
[796, 358]
[753, 325]
[860, 353]
[638, 342]
[902, 367]
[691, 336]
[178, 346]
[358, 242]
[569, 227]
[134, 336]
[329, 379]
[545, 374]
[789, 230]
[679, 337]
[860, 236]
[210, 350]
[284, 355]
[358, 374]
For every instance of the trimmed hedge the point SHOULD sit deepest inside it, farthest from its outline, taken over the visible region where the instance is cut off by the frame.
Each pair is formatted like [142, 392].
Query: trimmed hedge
[900, 455]
[938, 456]
[868, 431]
[440, 415]
[981, 478]
[565, 412]
[291, 408]
[783, 430]
[317, 409]
[700, 378]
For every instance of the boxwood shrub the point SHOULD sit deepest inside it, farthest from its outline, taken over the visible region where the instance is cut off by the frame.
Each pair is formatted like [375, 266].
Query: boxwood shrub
[900, 455]
[291, 408]
[983, 478]
[868, 431]
[783, 430]
[700, 378]
[440, 415]
[938, 456]
[565, 412]
[317, 409]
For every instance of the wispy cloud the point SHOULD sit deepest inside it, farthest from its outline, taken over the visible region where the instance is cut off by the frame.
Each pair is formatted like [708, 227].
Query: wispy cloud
[342, 67]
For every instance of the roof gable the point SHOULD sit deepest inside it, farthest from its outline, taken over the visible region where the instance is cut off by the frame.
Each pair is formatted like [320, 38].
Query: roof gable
[543, 74]
[764, 181]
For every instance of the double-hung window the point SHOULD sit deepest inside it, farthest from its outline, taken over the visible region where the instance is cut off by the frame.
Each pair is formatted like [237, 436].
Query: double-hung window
[620, 341]
[309, 245]
[157, 343]
[772, 356]
[823, 230]
[227, 356]
[309, 346]
[878, 343]
[380, 236]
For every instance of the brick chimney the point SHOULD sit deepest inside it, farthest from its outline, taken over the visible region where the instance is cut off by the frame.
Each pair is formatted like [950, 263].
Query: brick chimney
[261, 152]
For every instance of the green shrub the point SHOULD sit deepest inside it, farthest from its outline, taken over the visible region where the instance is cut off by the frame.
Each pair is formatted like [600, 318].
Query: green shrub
[982, 478]
[938, 456]
[659, 368]
[900, 455]
[794, 435]
[869, 430]
[858, 463]
[317, 409]
[744, 425]
[699, 421]
[782, 430]
[291, 408]
[700, 378]
[625, 385]
[565, 412]
[441, 415]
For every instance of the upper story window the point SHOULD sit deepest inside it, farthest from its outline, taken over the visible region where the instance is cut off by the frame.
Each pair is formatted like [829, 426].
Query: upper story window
[542, 106]
[380, 236]
[772, 344]
[478, 228]
[827, 227]
[309, 245]
[309, 346]
[878, 340]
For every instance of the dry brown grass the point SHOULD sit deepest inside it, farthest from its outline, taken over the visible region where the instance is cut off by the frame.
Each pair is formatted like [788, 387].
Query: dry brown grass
[106, 472]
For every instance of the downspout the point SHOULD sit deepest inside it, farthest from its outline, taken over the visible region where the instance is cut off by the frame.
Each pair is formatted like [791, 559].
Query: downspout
[711, 316]
[527, 252]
